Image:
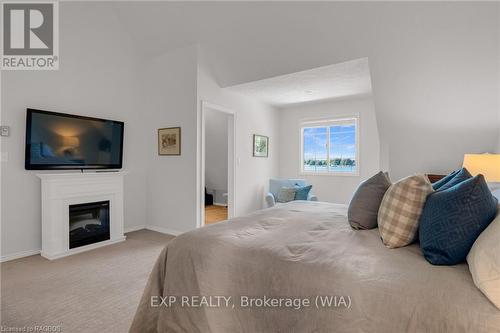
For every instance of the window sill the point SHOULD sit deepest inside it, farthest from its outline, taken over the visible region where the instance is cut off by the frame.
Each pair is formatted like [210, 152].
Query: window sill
[334, 174]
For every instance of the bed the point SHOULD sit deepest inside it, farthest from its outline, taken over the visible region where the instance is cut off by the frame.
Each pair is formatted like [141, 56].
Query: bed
[306, 251]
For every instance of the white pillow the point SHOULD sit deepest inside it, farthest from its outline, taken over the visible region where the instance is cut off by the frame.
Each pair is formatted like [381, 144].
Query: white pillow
[484, 261]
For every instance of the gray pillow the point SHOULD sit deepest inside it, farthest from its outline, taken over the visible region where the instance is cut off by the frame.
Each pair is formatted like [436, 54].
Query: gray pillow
[286, 194]
[363, 209]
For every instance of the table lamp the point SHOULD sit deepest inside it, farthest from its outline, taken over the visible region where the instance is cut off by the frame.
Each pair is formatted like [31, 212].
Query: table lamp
[486, 164]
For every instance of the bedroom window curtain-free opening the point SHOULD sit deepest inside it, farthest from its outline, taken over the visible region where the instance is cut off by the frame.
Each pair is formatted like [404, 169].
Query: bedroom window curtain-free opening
[330, 146]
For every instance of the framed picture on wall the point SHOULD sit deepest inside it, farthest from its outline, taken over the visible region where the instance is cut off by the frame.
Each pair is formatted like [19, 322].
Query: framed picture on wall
[169, 141]
[260, 145]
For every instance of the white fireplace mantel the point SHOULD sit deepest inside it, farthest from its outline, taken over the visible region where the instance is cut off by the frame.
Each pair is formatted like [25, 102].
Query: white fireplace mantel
[59, 191]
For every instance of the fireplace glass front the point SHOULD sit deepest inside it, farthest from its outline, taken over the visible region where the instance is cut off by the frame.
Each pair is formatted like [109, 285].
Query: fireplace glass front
[88, 223]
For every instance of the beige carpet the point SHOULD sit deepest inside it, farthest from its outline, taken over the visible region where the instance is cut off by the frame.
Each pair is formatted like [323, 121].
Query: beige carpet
[95, 291]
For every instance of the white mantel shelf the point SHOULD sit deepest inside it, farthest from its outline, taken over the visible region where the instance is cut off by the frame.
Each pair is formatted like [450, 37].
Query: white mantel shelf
[78, 174]
[60, 190]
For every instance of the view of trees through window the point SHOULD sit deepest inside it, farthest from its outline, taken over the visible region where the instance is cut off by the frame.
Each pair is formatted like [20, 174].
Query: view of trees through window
[330, 148]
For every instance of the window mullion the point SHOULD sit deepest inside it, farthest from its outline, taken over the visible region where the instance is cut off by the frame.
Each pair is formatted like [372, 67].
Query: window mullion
[302, 150]
[328, 149]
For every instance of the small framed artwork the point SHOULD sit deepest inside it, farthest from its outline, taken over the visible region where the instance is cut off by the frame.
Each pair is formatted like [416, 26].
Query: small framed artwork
[169, 141]
[260, 146]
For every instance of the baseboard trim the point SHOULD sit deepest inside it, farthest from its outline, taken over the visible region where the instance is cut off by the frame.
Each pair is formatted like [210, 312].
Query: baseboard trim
[85, 248]
[220, 204]
[18, 255]
[164, 230]
[134, 228]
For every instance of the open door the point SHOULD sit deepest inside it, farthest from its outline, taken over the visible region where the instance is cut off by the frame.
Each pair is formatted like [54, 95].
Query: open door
[217, 164]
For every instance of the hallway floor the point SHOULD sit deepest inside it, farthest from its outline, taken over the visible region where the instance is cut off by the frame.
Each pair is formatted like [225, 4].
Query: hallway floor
[215, 214]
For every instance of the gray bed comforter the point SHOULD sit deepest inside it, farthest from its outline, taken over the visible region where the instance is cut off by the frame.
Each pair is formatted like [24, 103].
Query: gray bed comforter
[246, 275]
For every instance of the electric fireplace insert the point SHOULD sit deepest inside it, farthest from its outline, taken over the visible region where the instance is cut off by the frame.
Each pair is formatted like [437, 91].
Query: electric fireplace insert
[88, 223]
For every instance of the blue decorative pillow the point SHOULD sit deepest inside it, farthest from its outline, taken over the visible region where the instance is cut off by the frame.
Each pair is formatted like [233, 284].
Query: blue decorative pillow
[302, 192]
[444, 180]
[453, 218]
[462, 175]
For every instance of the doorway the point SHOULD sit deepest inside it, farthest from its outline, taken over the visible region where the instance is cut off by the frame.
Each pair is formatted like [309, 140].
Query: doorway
[217, 164]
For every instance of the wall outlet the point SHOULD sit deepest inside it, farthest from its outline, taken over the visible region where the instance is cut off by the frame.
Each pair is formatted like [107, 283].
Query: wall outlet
[4, 130]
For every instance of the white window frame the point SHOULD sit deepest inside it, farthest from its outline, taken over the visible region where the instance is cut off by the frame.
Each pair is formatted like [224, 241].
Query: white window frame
[327, 123]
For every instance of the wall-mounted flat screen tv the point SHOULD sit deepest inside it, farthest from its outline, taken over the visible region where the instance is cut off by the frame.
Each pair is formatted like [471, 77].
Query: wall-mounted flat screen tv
[64, 141]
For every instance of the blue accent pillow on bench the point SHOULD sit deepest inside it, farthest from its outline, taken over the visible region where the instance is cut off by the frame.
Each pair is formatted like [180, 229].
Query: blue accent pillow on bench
[453, 218]
[302, 192]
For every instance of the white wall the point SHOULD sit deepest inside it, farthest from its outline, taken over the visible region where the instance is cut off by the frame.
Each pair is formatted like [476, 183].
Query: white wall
[498, 145]
[330, 188]
[434, 72]
[498, 78]
[95, 79]
[167, 94]
[252, 173]
[171, 88]
[146, 94]
[216, 154]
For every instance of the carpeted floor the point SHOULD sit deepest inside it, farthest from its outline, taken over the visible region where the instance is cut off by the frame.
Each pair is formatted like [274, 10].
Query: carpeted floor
[95, 291]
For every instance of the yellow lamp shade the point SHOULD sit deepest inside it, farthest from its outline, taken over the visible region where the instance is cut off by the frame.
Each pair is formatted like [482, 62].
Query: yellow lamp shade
[486, 164]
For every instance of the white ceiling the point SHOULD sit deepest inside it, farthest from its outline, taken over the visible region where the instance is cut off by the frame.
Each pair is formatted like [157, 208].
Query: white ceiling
[249, 41]
[254, 40]
[334, 81]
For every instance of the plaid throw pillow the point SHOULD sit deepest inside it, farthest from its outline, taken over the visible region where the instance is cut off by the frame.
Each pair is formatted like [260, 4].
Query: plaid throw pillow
[400, 210]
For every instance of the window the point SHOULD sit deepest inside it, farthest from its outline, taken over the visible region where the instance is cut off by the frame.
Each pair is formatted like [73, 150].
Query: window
[330, 147]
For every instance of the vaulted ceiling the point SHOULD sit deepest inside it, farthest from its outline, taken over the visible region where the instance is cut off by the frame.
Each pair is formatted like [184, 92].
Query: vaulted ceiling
[248, 41]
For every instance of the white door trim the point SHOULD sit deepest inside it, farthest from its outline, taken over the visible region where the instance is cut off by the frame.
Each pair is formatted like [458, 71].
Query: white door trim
[200, 165]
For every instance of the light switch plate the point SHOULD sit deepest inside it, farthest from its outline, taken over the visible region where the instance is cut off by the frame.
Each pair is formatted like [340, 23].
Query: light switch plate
[4, 156]
[4, 130]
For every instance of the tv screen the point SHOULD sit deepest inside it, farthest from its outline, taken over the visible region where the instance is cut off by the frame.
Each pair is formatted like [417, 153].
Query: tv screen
[64, 141]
